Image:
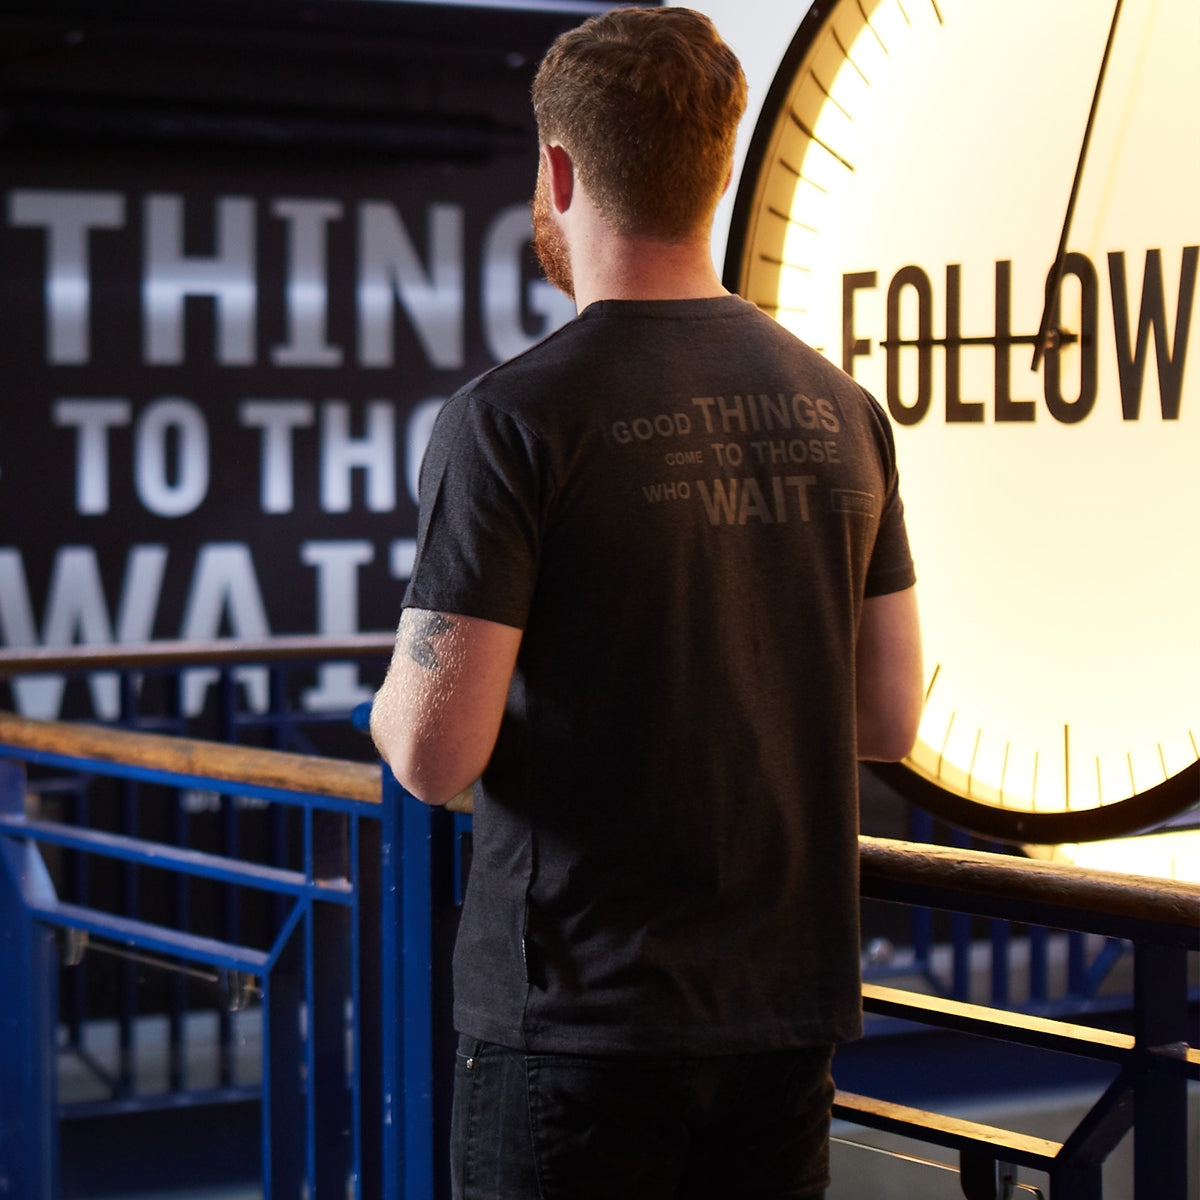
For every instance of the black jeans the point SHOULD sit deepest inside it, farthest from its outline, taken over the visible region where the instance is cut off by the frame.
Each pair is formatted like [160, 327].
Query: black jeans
[582, 1127]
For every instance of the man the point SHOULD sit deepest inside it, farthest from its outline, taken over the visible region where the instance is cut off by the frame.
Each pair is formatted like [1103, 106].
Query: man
[662, 602]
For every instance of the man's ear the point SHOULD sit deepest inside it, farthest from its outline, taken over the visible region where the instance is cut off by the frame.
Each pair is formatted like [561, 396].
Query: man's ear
[560, 173]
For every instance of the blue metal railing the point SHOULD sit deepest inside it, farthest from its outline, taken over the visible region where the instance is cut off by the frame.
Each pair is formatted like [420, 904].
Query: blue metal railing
[265, 687]
[352, 970]
[276, 715]
[947, 960]
[260, 692]
[343, 973]
[1153, 1059]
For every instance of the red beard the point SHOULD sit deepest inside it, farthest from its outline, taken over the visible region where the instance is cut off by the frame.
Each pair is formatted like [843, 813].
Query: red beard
[548, 241]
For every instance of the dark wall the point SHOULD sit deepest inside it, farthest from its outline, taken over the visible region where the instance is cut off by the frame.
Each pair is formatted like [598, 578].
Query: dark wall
[245, 250]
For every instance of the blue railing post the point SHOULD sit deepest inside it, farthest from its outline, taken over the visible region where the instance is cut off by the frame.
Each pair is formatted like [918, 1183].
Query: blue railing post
[28, 1014]
[921, 919]
[1160, 1013]
[286, 1030]
[391, 1017]
[416, 825]
[407, 985]
[332, 1018]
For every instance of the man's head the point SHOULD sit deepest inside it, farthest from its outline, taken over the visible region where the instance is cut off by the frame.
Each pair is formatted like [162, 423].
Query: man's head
[646, 101]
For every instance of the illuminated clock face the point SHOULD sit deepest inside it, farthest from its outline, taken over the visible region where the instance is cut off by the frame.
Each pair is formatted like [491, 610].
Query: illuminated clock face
[903, 210]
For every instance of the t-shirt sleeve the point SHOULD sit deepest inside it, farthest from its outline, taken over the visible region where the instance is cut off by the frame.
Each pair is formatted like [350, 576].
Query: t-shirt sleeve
[480, 503]
[891, 567]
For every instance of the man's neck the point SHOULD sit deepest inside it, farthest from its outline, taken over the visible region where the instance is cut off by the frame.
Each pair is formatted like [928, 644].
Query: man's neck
[623, 267]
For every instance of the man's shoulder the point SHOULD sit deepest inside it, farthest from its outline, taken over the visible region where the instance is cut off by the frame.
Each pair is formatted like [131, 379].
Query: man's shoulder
[562, 363]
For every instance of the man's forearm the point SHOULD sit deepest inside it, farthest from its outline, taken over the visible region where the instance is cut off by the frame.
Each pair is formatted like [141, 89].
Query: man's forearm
[437, 715]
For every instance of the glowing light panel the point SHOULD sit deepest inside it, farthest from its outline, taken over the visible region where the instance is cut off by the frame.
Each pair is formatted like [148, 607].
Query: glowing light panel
[907, 220]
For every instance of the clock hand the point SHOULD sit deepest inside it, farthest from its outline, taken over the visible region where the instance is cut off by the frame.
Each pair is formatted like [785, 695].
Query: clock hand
[1013, 339]
[1055, 283]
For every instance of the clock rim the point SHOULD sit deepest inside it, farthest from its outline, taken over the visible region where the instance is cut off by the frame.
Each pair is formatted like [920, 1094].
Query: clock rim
[1139, 812]
[760, 142]
[1142, 812]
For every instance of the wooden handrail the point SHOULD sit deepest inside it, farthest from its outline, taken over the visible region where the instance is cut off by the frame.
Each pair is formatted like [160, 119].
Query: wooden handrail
[955, 874]
[218, 652]
[188, 756]
[1007, 879]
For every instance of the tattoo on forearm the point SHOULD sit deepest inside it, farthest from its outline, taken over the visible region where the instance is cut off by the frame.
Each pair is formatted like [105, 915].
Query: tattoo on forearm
[423, 627]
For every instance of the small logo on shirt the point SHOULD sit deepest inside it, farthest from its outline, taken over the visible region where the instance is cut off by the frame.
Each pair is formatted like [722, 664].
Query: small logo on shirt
[846, 501]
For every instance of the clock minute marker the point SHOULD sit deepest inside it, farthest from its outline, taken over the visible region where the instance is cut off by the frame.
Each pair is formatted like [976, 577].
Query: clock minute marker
[776, 261]
[846, 55]
[830, 97]
[785, 308]
[971, 769]
[867, 23]
[945, 743]
[1067, 767]
[932, 680]
[801, 177]
[1054, 285]
[811, 135]
[775, 212]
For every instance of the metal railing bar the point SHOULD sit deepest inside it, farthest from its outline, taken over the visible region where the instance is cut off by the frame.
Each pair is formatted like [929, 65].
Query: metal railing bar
[329, 802]
[1098, 970]
[286, 930]
[889, 1153]
[159, 1101]
[1023, 1028]
[191, 862]
[151, 960]
[152, 937]
[230, 984]
[174, 653]
[1103, 1125]
[248, 770]
[92, 1064]
[310, 1037]
[973, 881]
[955, 1133]
[266, 1116]
[354, 1032]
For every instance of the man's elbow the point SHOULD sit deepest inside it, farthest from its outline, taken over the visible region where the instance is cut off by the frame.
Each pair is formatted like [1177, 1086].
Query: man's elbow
[888, 677]
[418, 775]
[429, 778]
[885, 745]
[888, 736]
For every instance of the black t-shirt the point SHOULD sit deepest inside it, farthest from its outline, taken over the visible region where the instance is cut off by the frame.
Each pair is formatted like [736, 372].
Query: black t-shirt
[683, 508]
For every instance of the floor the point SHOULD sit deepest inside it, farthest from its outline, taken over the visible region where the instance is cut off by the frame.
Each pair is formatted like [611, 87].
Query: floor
[170, 1157]
[168, 1154]
[866, 1174]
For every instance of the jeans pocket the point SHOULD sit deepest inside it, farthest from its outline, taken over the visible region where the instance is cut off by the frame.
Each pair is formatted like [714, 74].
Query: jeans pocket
[491, 1157]
[467, 1053]
[607, 1126]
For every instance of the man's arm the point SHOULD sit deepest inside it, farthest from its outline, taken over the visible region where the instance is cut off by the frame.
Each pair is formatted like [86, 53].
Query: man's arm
[889, 676]
[436, 717]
